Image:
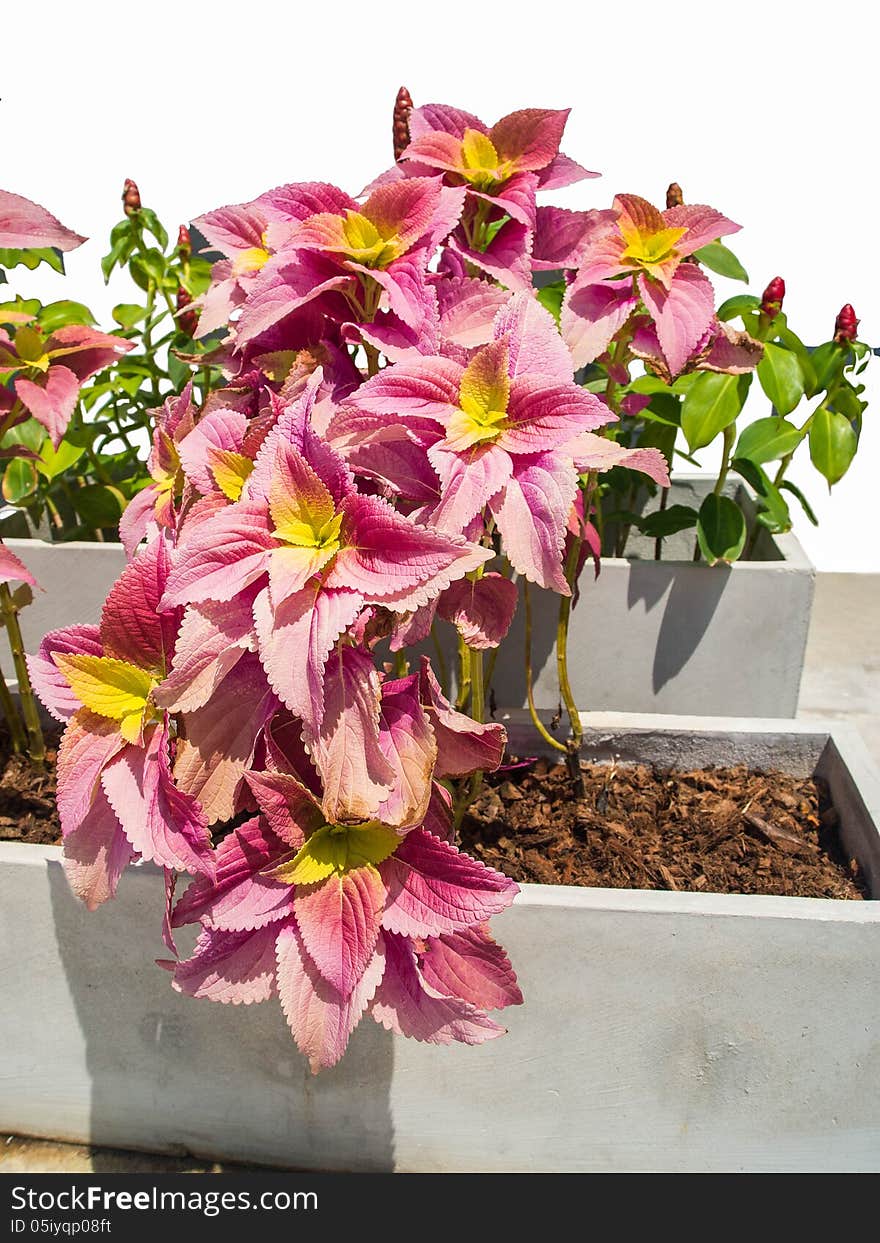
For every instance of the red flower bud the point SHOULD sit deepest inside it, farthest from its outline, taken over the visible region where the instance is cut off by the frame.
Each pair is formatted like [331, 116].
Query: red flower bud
[184, 242]
[189, 320]
[674, 196]
[772, 298]
[846, 325]
[131, 197]
[403, 106]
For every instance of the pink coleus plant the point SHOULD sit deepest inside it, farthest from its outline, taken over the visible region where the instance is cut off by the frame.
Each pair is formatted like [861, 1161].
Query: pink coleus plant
[403, 436]
[636, 259]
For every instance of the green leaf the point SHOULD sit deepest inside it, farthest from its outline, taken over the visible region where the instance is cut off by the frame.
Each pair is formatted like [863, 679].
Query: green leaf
[179, 372]
[773, 511]
[19, 481]
[30, 433]
[648, 384]
[711, 404]
[127, 314]
[57, 314]
[550, 297]
[767, 440]
[667, 521]
[721, 529]
[738, 305]
[781, 378]
[147, 266]
[153, 223]
[805, 504]
[664, 408]
[32, 258]
[53, 462]
[717, 257]
[833, 444]
[98, 505]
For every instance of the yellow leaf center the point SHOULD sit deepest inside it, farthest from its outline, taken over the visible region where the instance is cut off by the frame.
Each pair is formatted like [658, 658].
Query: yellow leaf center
[338, 849]
[110, 688]
[481, 164]
[366, 243]
[649, 250]
[230, 471]
[482, 399]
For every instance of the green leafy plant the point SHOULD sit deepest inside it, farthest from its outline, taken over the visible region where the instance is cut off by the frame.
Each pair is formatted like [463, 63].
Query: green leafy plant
[71, 474]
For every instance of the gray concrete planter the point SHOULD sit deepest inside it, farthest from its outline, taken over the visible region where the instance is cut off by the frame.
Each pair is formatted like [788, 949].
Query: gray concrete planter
[673, 636]
[661, 1031]
[75, 579]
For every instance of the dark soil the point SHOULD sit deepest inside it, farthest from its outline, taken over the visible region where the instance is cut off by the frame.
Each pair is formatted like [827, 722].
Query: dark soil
[720, 830]
[27, 795]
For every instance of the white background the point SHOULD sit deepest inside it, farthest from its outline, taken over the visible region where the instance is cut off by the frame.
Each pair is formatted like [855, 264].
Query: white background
[767, 111]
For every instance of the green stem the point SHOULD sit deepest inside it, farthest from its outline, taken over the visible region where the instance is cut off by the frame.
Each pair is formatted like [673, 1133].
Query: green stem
[729, 441]
[577, 732]
[13, 719]
[464, 675]
[29, 710]
[530, 692]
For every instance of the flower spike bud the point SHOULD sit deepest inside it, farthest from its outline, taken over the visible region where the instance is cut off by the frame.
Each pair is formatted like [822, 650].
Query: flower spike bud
[674, 196]
[403, 106]
[184, 242]
[772, 298]
[131, 197]
[846, 325]
[188, 320]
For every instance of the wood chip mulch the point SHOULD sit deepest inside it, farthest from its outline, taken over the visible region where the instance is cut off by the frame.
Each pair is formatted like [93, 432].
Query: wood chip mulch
[721, 830]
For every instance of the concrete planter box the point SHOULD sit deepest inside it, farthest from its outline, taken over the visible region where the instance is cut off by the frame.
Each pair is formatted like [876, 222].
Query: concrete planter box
[675, 636]
[75, 579]
[661, 1031]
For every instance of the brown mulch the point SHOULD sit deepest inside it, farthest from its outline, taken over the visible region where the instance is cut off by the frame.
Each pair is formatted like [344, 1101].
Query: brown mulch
[27, 795]
[720, 830]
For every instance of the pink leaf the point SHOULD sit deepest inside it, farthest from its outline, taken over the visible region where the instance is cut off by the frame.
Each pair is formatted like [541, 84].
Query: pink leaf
[469, 479]
[703, 224]
[133, 628]
[96, 853]
[211, 641]
[481, 611]
[592, 452]
[25, 225]
[339, 922]
[295, 640]
[406, 1005]
[320, 1019]
[533, 340]
[219, 738]
[222, 556]
[471, 965]
[290, 809]
[240, 897]
[53, 402]
[160, 821]
[683, 315]
[463, 745]
[89, 743]
[13, 569]
[47, 679]
[392, 560]
[346, 750]
[434, 888]
[592, 314]
[532, 516]
[408, 743]
[232, 967]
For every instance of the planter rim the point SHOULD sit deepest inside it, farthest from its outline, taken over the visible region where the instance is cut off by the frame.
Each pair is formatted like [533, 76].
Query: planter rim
[602, 727]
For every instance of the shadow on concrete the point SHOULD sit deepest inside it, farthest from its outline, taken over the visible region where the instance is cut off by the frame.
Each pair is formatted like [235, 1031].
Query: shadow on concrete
[690, 606]
[174, 1075]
